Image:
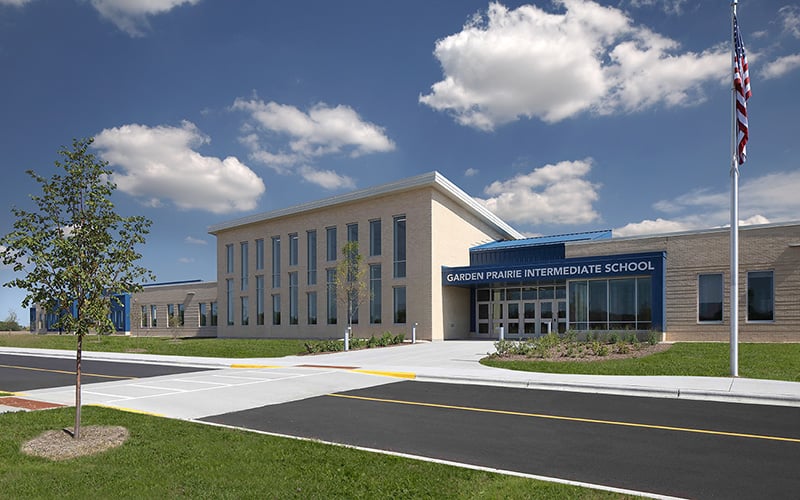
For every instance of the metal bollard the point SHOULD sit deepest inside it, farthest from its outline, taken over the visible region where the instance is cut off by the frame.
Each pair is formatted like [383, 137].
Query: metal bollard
[502, 333]
[347, 338]
[414, 333]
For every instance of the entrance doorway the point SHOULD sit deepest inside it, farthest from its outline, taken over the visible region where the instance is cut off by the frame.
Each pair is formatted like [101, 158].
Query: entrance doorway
[522, 312]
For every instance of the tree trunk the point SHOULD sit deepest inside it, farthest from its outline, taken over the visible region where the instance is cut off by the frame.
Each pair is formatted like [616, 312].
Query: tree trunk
[77, 432]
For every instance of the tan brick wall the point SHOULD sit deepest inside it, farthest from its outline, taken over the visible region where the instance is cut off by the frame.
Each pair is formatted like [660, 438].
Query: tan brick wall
[188, 294]
[761, 248]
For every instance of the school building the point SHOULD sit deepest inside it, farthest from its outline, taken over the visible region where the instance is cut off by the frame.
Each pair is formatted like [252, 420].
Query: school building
[437, 261]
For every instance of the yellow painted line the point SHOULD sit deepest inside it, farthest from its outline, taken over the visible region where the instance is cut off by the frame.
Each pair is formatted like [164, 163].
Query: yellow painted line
[573, 419]
[50, 370]
[408, 375]
[254, 366]
[129, 410]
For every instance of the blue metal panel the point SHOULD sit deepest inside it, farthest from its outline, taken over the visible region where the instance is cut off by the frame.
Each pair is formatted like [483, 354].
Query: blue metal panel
[502, 256]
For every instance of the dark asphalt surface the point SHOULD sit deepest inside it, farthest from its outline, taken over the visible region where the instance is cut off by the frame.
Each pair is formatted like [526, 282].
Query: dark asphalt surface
[675, 462]
[25, 373]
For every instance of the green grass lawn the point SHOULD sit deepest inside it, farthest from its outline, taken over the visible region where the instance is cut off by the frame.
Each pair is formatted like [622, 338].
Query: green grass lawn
[166, 458]
[209, 347]
[763, 361]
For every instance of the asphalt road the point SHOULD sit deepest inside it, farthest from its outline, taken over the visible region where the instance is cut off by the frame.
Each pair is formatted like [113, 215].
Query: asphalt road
[25, 373]
[682, 448]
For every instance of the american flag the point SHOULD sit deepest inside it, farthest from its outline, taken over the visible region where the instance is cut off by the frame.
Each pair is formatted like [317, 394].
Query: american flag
[741, 83]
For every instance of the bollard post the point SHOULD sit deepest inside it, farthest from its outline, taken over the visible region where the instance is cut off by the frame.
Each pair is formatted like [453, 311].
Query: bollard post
[347, 338]
[414, 333]
[502, 333]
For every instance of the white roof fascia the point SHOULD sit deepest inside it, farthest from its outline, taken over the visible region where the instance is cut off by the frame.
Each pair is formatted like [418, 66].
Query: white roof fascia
[433, 179]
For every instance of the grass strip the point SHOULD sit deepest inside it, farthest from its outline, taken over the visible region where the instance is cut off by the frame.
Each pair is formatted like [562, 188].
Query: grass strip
[176, 459]
[759, 361]
[208, 347]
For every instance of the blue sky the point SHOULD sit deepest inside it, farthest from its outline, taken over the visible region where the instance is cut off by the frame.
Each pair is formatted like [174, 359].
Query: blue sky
[560, 116]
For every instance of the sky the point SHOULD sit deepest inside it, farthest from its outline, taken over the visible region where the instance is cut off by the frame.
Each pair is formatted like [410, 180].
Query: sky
[559, 116]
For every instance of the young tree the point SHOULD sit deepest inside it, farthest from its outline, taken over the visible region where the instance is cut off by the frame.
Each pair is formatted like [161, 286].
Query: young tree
[351, 286]
[75, 252]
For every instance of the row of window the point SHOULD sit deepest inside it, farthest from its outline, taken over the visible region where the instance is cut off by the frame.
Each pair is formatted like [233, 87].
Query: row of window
[760, 297]
[331, 253]
[375, 302]
[176, 315]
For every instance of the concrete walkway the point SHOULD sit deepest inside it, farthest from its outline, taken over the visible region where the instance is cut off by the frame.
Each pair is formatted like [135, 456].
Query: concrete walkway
[238, 384]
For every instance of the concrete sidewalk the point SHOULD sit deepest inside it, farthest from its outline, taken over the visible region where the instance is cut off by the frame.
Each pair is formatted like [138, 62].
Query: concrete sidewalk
[236, 384]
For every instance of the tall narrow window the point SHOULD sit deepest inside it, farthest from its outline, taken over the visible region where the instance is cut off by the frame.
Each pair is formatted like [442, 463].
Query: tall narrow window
[311, 256]
[399, 304]
[203, 311]
[352, 232]
[276, 309]
[144, 323]
[375, 293]
[331, 295]
[293, 297]
[214, 317]
[276, 262]
[171, 316]
[375, 238]
[245, 251]
[228, 259]
[760, 296]
[293, 250]
[312, 308]
[153, 316]
[245, 311]
[181, 314]
[709, 298]
[259, 255]
[229, 301]
[260, 299]
[330, 240]
[400, 246]
[598, 305]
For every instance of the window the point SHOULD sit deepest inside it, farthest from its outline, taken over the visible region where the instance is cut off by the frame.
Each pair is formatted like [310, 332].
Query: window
[276, 309]
[312, 308]
[229, 258]
[622, 304]
[399, 304]
[352, 232]
[709, 298]
[293, 297]
[203, 311]
[598, 305]
[153, 316]
[374, 238]
[760, 296]
[276, 262]
[260, 299]
[171, 315]
[245, 250]
[144, 323]
[400, 246]
[259, 255]
[245, 311]
[375, 293]
[331, 295]
[213, 314]
[181, 314]
[311, 255]
[293, 252]
[229, 300]
[330, 240]
[613, 304]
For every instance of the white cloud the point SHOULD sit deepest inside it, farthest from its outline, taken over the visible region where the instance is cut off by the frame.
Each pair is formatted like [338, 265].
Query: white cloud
[769, 198]
[297, 138]
[668, 6]
[471, 172]
[185, 260]
[781, 66]
[131, 16]
[531, 63]
[160, 163]
[195, 241]
[553, 194]
[15, 3]
[790, 16]
[327, 179]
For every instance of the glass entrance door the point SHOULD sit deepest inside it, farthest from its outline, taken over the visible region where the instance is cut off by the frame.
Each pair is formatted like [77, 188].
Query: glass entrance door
[521, 312]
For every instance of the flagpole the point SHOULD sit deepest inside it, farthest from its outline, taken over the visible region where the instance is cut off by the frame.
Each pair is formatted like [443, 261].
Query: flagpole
[734, 302]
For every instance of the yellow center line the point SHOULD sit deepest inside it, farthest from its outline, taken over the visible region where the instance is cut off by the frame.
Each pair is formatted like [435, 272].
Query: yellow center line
[50, 370]
[572, 419]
